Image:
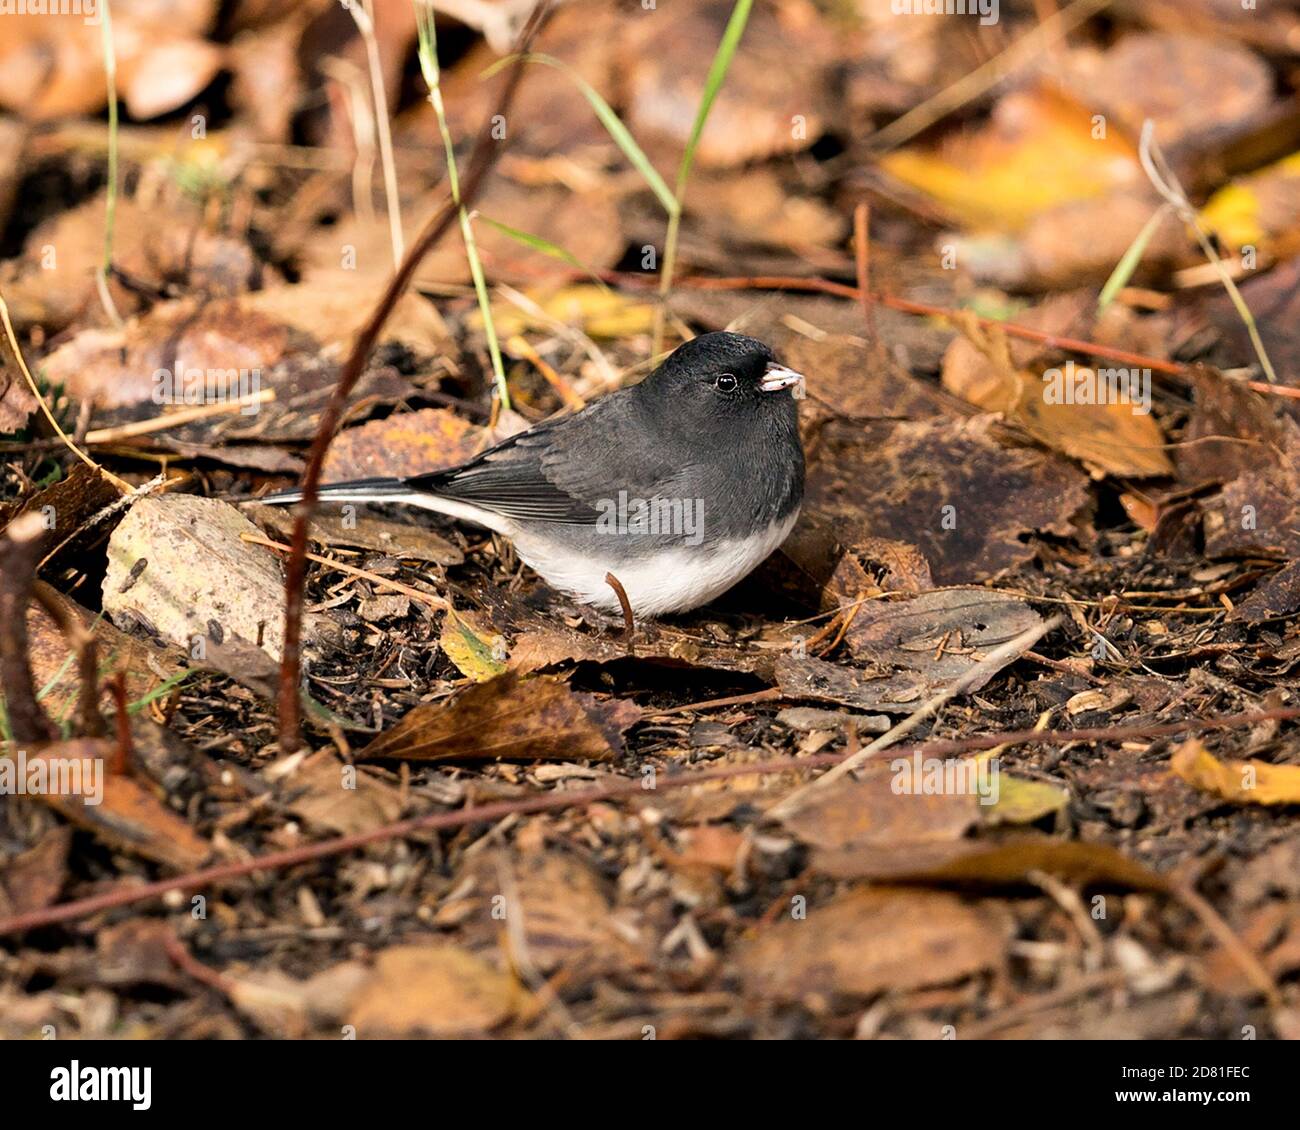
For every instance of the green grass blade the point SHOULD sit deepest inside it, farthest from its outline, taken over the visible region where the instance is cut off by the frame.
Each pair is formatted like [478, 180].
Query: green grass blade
[429, 68]
[613, 126]
[1129, 261]
[545, 246]
[712, 85]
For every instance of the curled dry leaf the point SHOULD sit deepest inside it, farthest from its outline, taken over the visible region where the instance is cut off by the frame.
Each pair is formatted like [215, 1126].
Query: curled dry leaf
[1003, 863]
[1242, 782]
[1099, 416]
[510, 716]
[119, 810]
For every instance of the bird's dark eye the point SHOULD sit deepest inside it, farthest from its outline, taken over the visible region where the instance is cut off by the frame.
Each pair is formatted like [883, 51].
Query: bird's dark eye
[725, 382]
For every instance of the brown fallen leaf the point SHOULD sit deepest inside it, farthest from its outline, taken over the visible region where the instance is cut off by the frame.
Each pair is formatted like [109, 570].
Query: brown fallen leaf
[408, 443]
[16, 399]
[560, 900]
[119, 810]
[1276, 597]
[940, 634]
[954, 489]
[867, 811]
[137, 952]
[510, 716]
[67, 503]
[434, 990]
[34, 879]
[1200, 90]
[772, 102]
[393, 539]
[869, 941]
[1006, 862]
[1242, 782]
[1085, 413]
[54, 669]
[1259, 511]
[914, 648]
[340, 798]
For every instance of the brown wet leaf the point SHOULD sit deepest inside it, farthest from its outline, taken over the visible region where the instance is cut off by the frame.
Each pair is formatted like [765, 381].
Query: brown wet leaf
[1259, 511]
[434, 989]
[512, 717]
[1242, 782]
[868, 941]
[949, 487]
[129, 816]
[1274, 301]
[1276, 597]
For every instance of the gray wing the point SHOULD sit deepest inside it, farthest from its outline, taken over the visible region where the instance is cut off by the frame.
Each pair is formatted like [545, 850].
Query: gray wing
[563, 470]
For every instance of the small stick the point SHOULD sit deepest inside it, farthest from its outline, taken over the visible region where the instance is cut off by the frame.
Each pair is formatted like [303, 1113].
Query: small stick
[555, 801]
[373, 578]
[176, 419]
[862, 261]
[121, 484]
[82, 641]
[122, 755]
[629, 624]
[985, 667]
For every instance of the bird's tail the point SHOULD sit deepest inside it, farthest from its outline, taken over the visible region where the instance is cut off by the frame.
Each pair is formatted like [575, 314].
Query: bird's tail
[355, 490]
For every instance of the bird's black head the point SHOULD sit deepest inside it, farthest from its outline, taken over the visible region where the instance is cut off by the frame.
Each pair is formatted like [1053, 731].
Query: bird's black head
[722, 375]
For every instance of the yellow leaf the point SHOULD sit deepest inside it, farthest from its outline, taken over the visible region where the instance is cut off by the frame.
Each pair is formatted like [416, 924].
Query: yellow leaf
[1256, 208]
[1038, 151]
[1022, 801]
[477, 653]
[1243, 782]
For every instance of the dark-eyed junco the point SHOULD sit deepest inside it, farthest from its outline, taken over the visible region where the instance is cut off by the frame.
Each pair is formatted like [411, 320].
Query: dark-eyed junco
[679, 486]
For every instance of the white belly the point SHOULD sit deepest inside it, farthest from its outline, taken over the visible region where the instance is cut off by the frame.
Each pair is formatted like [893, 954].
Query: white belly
[674, 581]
